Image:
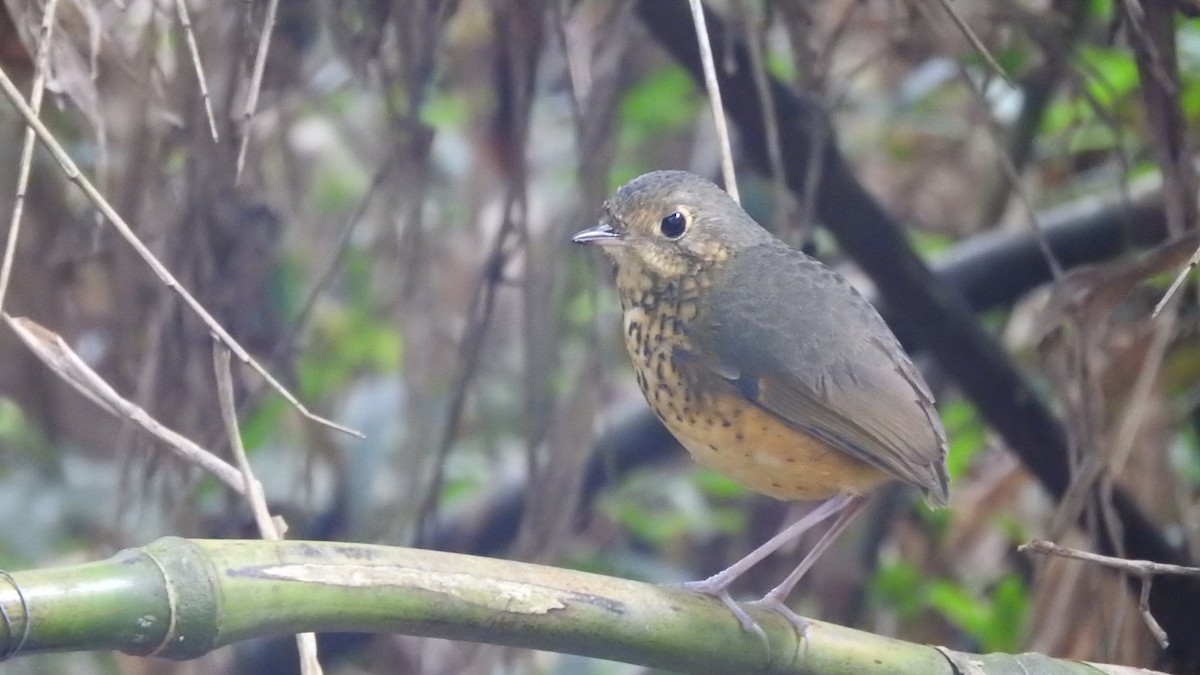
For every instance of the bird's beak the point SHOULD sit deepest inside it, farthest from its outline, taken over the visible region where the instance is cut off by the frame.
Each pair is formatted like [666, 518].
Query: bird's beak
[602, 234]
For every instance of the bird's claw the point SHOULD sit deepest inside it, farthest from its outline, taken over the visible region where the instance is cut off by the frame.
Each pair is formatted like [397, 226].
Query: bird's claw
[772, 603]
[721, 593]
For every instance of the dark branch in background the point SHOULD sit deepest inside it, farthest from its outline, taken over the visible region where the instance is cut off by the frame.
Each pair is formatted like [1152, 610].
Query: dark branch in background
[934, 315]
[995, 268]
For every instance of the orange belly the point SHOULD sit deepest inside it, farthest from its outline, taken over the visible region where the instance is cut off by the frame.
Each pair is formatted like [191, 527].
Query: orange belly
[765, 455]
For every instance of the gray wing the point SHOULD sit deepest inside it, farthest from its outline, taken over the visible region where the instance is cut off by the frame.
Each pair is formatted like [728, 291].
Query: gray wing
[797, 340]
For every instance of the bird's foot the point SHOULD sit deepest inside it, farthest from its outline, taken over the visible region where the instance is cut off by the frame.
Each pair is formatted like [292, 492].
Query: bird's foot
[720, 592]
[772, 603]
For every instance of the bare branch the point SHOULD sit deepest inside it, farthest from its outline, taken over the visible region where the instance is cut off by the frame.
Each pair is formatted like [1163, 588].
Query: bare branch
[53, 351]
[1144, 570]
[271, 529]
[35, 98]
[93, 194]
[254, 488]
[1179, 279]
[260, 64]
[1135, 567]
[976, 43]
[186, 22]
[714, 99]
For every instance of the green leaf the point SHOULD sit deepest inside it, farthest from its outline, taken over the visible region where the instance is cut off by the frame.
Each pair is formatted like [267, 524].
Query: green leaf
[1101, 10]
[1092, 137]
[1184, 456]
[657, 526]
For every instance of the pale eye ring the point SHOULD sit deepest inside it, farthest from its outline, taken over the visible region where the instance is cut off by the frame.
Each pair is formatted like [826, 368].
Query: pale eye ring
[673, 225]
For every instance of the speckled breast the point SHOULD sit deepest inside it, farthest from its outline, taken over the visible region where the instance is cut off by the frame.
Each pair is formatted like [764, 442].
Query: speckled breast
[720, 428]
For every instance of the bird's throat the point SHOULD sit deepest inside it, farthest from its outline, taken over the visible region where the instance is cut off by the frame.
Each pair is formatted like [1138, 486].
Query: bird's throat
[645, 288]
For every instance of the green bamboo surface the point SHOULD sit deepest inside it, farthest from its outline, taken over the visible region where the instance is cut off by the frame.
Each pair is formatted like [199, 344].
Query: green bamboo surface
[180, 598]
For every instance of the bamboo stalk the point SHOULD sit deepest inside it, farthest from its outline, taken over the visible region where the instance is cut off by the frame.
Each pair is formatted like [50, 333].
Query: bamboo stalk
[180, 598]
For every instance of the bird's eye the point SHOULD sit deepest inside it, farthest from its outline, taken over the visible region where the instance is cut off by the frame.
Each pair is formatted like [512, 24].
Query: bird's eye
[673, 225]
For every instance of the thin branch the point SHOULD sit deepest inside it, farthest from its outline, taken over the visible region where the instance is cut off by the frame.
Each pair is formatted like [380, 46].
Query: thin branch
[93, 194]
[469, 354]
[186, 22]
[1152, 624]
[1144, 570]
[254, 489]
[1135, 16]
[260, 64]
[714, 98]
[577, 73]
[1135, 410]
[39, 87]
[1011, 172]
[976, 43]
[272, 529]
[1179, 279]
[1135, 567]
[762, 85]
[337, 253]
[53, 351]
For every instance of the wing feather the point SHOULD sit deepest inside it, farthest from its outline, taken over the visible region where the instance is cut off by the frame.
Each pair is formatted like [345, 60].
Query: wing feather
[802, 344]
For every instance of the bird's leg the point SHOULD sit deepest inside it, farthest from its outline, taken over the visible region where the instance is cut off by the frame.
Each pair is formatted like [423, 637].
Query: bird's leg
[775, 597]
[718, 584]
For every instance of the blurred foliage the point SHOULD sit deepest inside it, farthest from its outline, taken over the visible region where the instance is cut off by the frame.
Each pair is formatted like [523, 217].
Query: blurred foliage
[929, 244]
[663, 103]
[658, 509]
[994, 619]
[965, 434]
[21, 442]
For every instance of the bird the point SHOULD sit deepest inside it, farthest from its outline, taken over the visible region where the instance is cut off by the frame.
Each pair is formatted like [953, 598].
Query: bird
[767, 365]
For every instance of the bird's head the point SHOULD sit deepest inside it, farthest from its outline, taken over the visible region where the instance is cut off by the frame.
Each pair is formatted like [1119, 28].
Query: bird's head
[671, 224]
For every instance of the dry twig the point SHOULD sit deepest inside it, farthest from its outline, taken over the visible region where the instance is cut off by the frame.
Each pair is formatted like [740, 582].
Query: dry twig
[186, 22]
[35, 102]
[1179, 279]
[272, 529]
[714, 98]
[976, 43]
[754, 29]
[260, 64]
[1011, 172]
[1144, 570]
[93, 194]
[52, 350]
